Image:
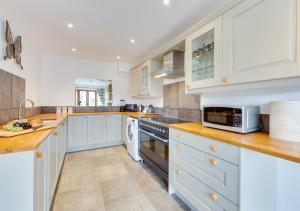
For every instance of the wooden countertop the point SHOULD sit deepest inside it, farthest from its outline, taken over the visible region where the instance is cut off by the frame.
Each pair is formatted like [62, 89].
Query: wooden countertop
[29, 141]
[32, 141]
[258, 141]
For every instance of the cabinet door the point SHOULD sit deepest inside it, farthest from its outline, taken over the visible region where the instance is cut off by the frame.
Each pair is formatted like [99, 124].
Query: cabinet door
[135, 82]
[40, 180]
[60, 146]
[53, 152]
[114, 128]
[97, 129]
[203, 56]
[77, 131]
[145, 79]
[124, 124]
[260, 38]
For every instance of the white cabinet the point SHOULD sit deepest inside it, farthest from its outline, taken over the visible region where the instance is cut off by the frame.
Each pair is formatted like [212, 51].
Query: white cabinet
[28, 179]
[143, 85]
[114, 129]
[52, 163]
[57, 147]
[97, 129]
[204, 172]
[77, 131]
[260, 41]
[135, 82]
[124, 128]
[268, 183]
[203, 56]
[93, 131]
[41, 177]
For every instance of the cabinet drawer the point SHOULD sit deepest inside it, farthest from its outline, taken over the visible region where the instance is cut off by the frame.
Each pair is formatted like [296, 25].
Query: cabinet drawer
[216, 173]
[219, 149]
[196, 194]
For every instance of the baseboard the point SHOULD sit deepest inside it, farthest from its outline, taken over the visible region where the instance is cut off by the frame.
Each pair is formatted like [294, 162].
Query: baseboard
[94, 146]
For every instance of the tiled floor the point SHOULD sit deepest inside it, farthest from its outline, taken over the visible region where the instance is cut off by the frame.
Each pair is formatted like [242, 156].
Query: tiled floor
[108, 179]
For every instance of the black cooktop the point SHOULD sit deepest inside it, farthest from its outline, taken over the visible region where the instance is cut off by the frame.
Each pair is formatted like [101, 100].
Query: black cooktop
[163, 120]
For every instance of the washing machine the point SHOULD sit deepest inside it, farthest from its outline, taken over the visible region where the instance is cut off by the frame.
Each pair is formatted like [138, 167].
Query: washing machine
[132, 135]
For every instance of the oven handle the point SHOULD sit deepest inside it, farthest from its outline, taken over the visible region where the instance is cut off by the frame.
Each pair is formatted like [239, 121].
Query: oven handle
[151, 134]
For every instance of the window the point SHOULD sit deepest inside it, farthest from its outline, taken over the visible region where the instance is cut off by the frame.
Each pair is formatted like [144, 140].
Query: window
[86, 97]
[93, 92]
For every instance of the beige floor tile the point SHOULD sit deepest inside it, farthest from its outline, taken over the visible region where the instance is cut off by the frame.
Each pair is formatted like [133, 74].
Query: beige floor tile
[84, 199]
[120, 149]
[119, 188]
[106, 173]
[109, 160]
[77, 164]
[138, 202]
[76, 179]
[161, 200]
[109, 179]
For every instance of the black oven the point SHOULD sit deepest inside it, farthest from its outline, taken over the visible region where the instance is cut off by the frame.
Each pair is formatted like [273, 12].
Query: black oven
[154, 150]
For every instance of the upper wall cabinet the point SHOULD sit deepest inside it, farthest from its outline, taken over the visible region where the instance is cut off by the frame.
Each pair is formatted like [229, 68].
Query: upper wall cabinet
[260, 41]
[203, 56]
[143, 85]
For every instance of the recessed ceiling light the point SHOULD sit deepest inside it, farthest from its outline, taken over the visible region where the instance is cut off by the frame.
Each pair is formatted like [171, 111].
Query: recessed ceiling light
[74, 49]
[132, 41]
[118, 57]
[70, 25]
[166, 2]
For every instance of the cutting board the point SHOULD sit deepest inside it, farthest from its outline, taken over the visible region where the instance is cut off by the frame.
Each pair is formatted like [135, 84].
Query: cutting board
[7, 134]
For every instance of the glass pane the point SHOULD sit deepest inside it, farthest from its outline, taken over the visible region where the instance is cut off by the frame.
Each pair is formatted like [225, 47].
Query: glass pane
[92, 98]
[203, 56]
[145, 78]
[82, 96]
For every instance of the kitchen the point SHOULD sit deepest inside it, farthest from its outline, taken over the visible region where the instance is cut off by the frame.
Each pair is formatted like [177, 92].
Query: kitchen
[150, 105]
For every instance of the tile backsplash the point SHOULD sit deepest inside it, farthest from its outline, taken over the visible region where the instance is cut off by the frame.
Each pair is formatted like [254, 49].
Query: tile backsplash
[12, 92]
[83, 109]
[179, 105]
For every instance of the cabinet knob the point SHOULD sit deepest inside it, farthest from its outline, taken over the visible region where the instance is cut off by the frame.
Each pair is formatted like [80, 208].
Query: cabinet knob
[225, 79]
[178, 135]
[213, 162]
[55, 133]
[39, 154]
[187, 86]
[213, 148]
[213, 196]
[178, 146]
[63, 124]
[178, 171]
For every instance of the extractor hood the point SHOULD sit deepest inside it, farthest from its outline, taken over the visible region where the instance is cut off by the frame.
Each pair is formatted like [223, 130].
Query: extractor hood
[173, 66]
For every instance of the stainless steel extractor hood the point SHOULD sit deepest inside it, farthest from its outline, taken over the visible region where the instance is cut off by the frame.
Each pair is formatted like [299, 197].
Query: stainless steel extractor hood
[173, 66]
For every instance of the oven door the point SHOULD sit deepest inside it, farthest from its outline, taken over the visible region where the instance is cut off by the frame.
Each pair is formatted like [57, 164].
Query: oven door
[155, 149]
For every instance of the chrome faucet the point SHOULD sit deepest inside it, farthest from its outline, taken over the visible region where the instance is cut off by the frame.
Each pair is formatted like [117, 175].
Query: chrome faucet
[20, 107]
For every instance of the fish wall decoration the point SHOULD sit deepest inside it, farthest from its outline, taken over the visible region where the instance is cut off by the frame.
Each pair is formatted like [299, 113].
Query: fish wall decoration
[14, 47]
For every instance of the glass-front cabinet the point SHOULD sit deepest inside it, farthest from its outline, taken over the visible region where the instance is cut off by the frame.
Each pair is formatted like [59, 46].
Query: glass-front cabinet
[145, 79]
[203, 56]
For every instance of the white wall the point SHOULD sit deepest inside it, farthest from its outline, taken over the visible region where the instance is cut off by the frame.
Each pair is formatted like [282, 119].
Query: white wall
[59, 74]
[31, 55]
[261, 97]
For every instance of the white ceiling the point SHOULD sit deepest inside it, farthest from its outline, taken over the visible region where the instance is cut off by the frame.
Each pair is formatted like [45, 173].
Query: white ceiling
[103, 28]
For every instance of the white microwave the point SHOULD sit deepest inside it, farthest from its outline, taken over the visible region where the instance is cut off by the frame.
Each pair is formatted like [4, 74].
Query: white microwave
[240, 119]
